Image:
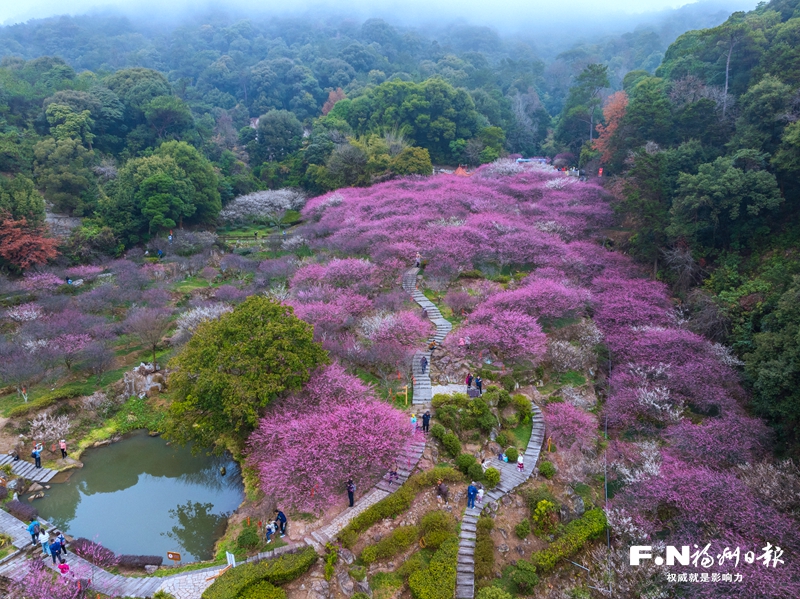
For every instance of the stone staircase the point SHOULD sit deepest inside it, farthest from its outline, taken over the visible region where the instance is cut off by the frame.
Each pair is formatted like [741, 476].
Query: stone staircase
[422, 381]
[28, 469]
[510, 479]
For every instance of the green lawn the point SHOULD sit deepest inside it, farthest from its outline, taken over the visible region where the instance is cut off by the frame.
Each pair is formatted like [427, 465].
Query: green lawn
[523, 434]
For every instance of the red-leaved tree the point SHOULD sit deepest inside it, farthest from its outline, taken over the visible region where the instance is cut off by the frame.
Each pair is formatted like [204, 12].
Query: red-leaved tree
[307, 446]
[23, 246]
[333, 96]
[613, 112]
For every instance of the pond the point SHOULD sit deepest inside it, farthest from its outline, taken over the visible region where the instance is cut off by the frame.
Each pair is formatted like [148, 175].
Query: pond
[141, 496]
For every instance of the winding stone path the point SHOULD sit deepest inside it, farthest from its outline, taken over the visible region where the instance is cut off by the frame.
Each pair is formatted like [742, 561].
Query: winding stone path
[510, 479]
[28, 469]
[422, 381]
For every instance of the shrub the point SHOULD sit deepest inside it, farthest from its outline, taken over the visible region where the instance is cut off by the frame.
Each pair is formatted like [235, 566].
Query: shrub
[436, 527]
[248, 538]
[523, 529]
[139, 561]
[508, 382]
[493, 593]
[163, 595]
[524, 577]
[23, 511]
[451, 444]
[523, 407]
[437, 431]
[475, 472]
[459, 400]
[503, 439]
[396, 503]
[576, 534]
[401, 539]
[537, 494]
[3, 493]
[511, 421]
[512, 454]
[360, 596]
[276, 571]
[262, 590]
[413, 564]
[492, 477]
[544, 517]
[438, 580]
[547, 469]
[464, 461]
[484, 550]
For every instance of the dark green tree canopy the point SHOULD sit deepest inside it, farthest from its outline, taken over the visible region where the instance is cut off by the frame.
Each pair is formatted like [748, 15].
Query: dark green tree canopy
[235, 366]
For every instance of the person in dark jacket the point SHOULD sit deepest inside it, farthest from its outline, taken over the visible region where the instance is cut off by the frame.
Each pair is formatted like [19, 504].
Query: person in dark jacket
[55, 549]
[423, 364]
[351, 491]
[280, 518]
[479, 385]
[426, 421]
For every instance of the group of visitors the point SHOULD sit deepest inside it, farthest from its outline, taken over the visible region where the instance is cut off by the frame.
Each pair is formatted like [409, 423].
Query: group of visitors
[278, 524]
[53, 544]
[426, 422]
[36, 453]
[478, 383]
[474, 491]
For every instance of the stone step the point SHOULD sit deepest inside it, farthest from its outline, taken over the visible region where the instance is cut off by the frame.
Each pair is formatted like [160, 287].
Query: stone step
[466, 543]
[468, 534]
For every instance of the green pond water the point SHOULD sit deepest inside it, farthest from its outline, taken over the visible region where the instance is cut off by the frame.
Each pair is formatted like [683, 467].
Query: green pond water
[141, 496]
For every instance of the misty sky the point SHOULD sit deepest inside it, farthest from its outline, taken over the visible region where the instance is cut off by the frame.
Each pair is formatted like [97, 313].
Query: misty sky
[500, 13]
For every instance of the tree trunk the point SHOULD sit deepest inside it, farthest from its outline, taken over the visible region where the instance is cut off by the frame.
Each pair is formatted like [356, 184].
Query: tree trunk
[727, 73]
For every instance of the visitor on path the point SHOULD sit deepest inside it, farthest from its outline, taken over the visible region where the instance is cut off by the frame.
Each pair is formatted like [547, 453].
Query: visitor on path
[461, 342]
[469, 380]
[44, 541]
[472, 492]
[413, 423]
[271, 528]
[481, 491]
[479, 385]
[61, 541]
[63, 446]
[432, 346]
[442, 492]
[351, 491]
[33, 529]
[393, 476]
[64, 569]
[520, 464]
[418, 260]
[255, 235]
[36, 454]
[423, 364]
[484, 465]
[424, 313]
[55, 550]
[426, 421]
[280, 518]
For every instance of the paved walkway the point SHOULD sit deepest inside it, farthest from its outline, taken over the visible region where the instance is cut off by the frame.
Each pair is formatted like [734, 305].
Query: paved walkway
[510, 479]
[28, 469]
[422, 381]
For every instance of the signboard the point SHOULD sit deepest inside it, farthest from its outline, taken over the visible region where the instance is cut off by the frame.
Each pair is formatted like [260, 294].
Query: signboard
[231, 559]
[174, 556]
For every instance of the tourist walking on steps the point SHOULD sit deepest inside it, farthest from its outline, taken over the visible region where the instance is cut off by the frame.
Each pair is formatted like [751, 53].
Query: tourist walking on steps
[413, 423]
[469, 380]
[33, 529]
[55, 550]
[36, 454]
[423, 363]
[426, 421]
[44, 541]
[61, 541]
[418, 260]
[472, 492]
[280, 519]
[63, 446]
[351, 491]
[520, 463]
[393, 476]
[479, 497]
[479, 385]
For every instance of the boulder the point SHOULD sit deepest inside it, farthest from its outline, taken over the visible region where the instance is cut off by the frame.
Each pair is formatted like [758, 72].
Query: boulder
[347, 556]
[346, 584]
[320, 589]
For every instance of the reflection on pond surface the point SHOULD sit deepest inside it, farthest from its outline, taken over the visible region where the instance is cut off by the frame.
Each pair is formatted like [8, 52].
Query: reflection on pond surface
[141, 496]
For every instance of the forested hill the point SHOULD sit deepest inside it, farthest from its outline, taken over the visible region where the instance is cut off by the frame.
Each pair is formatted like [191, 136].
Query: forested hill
[708, 157]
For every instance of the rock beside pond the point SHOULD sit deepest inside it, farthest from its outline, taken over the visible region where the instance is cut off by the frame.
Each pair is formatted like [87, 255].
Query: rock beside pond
[150, 569]
[35, 487]
[102, 443]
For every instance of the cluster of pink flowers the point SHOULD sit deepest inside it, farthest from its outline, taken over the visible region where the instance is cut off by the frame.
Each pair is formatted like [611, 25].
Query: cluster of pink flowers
[308, 446]
[40, 281]
[669, 389]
